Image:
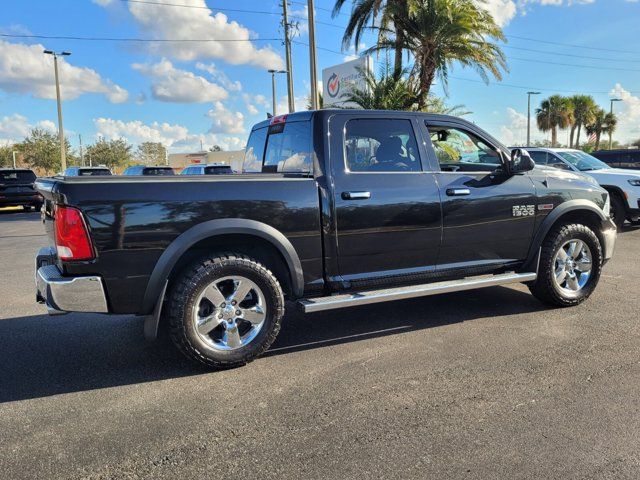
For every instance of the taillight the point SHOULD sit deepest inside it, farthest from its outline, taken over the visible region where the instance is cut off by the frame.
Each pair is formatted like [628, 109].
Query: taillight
[72, 238]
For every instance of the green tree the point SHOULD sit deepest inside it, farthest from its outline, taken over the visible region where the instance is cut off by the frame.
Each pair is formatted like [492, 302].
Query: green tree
[385, 13]
[554, 113]
[41, 151]
[151, 153]
[112, 153]
[6, 155]
[583, 109]
[601, 123]
[439, 33]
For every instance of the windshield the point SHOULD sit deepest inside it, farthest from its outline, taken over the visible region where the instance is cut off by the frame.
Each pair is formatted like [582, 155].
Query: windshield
[93, 171]
[583, 161]
[17, 176]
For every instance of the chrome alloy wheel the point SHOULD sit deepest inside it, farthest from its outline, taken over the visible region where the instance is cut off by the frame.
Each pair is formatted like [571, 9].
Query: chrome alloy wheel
[572, 267]
[229, 313]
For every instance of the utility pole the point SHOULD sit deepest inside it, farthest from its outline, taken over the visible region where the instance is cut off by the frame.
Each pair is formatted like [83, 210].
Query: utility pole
[312, 56]
[610, 129]
[287, 49]
[81, 152]
[63, 153]
[14, 158]
[273, 88]
[529, 116]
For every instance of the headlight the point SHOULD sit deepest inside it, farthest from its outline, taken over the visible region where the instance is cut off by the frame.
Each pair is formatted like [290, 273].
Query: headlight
[635, 182]
[607, 206]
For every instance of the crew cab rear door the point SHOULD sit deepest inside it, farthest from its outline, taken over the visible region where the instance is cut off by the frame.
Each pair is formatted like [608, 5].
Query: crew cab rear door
[386, 205]
[488, 216]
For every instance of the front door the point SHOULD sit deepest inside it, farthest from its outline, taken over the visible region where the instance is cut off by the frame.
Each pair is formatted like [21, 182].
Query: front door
[488, 216]
[386, 206]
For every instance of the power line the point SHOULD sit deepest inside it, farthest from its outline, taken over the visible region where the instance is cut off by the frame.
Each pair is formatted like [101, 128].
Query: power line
[571, 45]
[529, 87]
[570, 54]
[124, 39]
[574, 65]
[225, 9]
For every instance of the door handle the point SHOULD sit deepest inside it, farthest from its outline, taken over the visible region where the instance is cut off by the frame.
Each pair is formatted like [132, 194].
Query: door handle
[457, 192]
[356, 195]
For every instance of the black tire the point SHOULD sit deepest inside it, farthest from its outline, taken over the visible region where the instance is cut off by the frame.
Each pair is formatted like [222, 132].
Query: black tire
[544, 288]
[192, 283]
[618, 210]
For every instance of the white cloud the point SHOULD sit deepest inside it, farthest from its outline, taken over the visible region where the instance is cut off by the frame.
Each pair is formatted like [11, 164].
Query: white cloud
[252, 103]
[170, 22]
[502, 11]
[170, 84]
[351, 52]
[13, 128]
[25, 69]
[628, 113]
[220, 77]
[174, 137]
[225, 121]
[300, 21]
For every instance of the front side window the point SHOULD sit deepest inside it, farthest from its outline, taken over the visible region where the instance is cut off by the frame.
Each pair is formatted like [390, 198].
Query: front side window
[540, 158]
[381, 145]
[583, 161]
[555, 162]
[461, 150]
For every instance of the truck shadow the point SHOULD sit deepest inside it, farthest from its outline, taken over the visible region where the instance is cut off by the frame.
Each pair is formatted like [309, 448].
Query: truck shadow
[42, 356]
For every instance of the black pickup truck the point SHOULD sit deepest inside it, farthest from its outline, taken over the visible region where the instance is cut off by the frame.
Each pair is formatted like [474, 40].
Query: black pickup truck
[335, 208]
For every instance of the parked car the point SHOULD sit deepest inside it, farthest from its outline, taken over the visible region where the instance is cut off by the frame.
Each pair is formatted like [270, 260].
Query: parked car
[210, 169]
[158, 170]
[343, 208]
[17, 189]
[621, 158]
[622, 185]
[86, 171]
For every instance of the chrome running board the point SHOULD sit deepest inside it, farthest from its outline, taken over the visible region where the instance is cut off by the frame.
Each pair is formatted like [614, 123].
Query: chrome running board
[310, 305]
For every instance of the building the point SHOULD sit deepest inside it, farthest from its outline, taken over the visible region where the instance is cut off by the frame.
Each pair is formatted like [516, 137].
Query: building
[233, 158]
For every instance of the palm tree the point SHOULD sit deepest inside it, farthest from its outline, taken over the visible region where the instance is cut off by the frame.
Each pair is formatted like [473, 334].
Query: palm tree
[386, 92]
[365, 14]
[601, 122]
[584, 107]
[439, 33]
[554, 113]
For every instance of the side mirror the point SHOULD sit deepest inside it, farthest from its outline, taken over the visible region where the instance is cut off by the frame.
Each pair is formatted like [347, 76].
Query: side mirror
[519, 162]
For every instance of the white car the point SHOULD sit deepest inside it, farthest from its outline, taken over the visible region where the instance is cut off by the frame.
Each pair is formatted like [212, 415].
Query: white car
[623, 185]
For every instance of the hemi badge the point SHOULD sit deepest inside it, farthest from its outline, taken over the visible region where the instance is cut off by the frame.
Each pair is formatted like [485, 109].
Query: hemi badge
[545, 206]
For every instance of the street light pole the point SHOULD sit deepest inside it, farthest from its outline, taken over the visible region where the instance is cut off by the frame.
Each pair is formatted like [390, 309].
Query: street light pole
[63, 153]
[287, 49]
[610, 130]
[312, 56]
[529, 116]
[273, 88]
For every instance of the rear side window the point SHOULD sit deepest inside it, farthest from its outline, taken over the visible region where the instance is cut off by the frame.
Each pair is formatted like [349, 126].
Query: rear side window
[218, 170]
[283, 147]
[15, 176]
[94, 171]
[381, 145]
[158, 171]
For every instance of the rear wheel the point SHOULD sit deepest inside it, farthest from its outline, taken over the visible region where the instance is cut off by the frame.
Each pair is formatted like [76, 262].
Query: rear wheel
[570, 266]
[225, 311]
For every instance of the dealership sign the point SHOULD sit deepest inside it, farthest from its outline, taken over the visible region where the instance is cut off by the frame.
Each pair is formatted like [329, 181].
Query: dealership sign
[337, 81]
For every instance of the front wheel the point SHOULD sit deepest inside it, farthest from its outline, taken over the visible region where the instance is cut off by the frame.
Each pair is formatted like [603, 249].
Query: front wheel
[226, 310]
[570, 266]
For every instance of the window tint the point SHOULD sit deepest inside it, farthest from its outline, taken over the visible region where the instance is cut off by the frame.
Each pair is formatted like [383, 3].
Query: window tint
[254, 151]
[13, 176]
[158, 171]
[539, 157]
[460, 150]
[218, 170]
[93, 171]
[381, 145]
[288, 148]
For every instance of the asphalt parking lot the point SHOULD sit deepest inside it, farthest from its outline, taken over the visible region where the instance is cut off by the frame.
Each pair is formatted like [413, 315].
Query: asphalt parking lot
[481, 384]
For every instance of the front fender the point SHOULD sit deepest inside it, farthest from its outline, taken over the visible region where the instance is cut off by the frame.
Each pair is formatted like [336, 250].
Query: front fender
[552, 218]
[213, 228]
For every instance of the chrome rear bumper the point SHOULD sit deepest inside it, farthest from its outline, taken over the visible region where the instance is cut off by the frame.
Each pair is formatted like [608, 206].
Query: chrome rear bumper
[67, 294]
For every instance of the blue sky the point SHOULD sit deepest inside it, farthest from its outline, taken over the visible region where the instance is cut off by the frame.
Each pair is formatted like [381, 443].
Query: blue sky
[188, 92]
